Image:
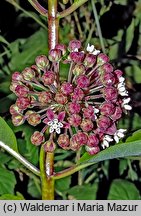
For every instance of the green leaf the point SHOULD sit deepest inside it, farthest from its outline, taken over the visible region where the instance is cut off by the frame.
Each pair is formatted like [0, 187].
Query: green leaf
[123, 190]
[120, 150]
[63, 184]
[34, 188]
[4, 157]
[123, 165]
[85, 192]
[130, 35]
[18, 196]
[121, 2]
[7, 136]
[24, 55]
[26, 148]
[135, 136]
[7, 181]
[134, 72]
[5, 102]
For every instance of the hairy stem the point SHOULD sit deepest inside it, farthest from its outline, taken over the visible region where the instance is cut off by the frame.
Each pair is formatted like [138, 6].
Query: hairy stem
[71, 9]
[20, 158]
[38, 7]
[53, 23]
[47, 183]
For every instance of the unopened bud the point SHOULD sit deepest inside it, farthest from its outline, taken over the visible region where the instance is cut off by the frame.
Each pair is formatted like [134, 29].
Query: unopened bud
[37, 138]
[17, 119]
[49, 146]
[54, 55]
[28, 74]
[42, 62]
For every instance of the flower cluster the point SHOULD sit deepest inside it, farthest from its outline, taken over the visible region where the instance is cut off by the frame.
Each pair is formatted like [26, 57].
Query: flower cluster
[82, 110]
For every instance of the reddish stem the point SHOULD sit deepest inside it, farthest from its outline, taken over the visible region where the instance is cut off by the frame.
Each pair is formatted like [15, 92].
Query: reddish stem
[53, 23]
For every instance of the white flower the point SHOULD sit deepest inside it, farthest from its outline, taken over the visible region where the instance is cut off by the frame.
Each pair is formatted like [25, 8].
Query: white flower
[121, 87]
[125, 104]
[95, 111]
[119, 134]
[91, 49]
[55, 126]
[106, 141]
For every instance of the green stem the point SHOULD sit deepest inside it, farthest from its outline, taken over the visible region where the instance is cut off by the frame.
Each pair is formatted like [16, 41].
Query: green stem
[49, 174]
[70, 171]
[47, 180]
[44, 183]
[71, 9]
[38, 7]
[98, 26]
[21, 159]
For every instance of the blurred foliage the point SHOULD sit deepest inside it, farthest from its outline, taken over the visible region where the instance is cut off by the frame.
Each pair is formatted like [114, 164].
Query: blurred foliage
[23, 36]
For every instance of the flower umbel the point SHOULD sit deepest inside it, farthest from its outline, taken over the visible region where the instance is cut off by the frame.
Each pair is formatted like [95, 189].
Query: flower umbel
[82, 110]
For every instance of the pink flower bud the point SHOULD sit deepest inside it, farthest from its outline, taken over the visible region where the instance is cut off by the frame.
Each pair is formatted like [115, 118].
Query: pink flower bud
[74, 107]
[82, 81]
[45, 97]
[42, 62]
[16, 76]
[111, 93]
[28, 74]
[118, 73]
[106, 68]
[14, 109]
[48, 78]
[88, 112]
[18, 119]
[37, 138]
[111, 130]
[107, 108]
[13, 86]
[102, 58]
[117, 114]
[77, 57]
[74, 120]
[23, 103]
[49, 146]
[21, 90]
[66, 88]
[81, 138]
[78, 94]
[61, 47]
[63, 141]
[92, 150]
[74, 145]
[74, 44]
[54, 55]
[60, 98]
[86, 125]
[79, 69]
[93, 141]
[103, 123]
[34, 119]
[89, 60]
[108, 79]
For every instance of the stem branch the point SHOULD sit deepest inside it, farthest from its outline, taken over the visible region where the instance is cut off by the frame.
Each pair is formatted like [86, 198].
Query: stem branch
[38, 7]
[70, 171]
[71, 9]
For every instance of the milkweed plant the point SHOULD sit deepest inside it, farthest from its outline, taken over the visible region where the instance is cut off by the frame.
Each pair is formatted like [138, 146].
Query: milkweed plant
[78, 113]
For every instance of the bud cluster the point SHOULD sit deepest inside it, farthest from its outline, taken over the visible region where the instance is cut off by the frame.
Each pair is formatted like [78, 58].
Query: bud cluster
[83, 110]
